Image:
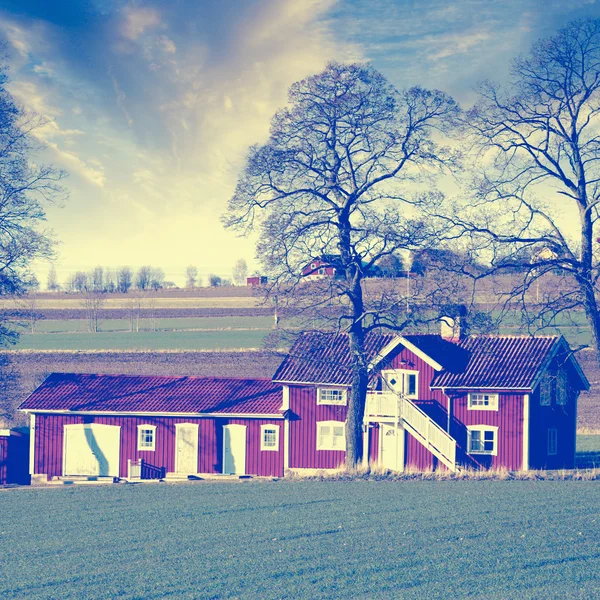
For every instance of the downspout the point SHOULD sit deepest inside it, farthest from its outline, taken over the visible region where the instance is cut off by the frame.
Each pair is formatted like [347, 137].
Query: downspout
[449, 422]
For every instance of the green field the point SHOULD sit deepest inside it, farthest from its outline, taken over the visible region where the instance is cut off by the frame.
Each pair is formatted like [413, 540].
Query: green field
[303, 539]
[145, 340]
[169, 324]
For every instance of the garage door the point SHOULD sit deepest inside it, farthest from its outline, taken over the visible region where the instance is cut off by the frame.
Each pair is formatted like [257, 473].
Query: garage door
[92, 450]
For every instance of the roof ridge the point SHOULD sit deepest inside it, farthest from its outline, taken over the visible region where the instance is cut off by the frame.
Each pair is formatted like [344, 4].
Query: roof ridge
[162, 376]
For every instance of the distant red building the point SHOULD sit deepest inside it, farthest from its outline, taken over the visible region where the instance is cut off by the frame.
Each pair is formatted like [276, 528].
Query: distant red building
[256, 280]
[434, 402]
[328, 265]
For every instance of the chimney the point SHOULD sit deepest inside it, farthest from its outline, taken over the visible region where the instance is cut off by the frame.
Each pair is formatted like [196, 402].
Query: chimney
[450, 328]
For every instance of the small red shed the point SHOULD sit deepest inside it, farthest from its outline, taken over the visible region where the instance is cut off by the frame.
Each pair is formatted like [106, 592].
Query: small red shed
[14, 457]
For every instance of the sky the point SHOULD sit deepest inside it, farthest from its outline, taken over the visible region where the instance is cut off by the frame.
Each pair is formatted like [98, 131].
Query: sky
[153, 104]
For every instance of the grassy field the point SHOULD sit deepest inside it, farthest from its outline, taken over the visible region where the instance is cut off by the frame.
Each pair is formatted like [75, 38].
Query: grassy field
[168, 324]
[303, 539]
[146, 340]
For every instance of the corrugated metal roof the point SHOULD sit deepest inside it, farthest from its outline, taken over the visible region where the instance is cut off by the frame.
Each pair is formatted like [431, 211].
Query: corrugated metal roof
[128, 393]
[325, 358]
[501, 361]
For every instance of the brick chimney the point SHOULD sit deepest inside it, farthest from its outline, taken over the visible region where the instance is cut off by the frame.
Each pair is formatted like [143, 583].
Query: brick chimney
[450, 328]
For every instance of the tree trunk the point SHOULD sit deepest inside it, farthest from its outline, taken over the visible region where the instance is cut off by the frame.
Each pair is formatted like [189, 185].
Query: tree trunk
[356, 404]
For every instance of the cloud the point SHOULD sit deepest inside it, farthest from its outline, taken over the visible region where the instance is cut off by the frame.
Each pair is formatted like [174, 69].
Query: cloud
[137, 21]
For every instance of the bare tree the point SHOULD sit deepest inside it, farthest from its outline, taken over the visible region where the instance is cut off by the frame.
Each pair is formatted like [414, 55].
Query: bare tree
[52, 284]
[93, 301]
[240, 272]
[134, 309]
[96, 279]
[26, 187]
[191, 276]
[143, 278]
[157, 278]
[78, 282]
[327, 182]
[536, 204]
[110, 281]
[124, 279]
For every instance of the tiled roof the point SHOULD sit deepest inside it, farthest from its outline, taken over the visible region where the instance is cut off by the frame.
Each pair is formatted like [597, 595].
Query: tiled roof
[503, 361]
[447, 354]
[127, 393]
[325, 358]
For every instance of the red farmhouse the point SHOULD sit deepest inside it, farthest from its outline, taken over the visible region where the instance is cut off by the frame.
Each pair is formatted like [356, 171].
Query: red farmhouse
[480, 402]
[326, 266]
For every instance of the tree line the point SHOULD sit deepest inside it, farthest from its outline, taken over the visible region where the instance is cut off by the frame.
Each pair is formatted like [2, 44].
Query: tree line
[124, 279]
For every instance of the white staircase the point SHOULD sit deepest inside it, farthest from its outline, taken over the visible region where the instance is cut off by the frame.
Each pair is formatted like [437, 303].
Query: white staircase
[386, 405]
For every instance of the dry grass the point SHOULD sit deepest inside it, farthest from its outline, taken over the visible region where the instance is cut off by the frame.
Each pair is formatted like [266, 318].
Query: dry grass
[377, 473]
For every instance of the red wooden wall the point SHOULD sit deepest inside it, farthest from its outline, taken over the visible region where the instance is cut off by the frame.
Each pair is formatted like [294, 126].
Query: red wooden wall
[303, 430]
[49, 442]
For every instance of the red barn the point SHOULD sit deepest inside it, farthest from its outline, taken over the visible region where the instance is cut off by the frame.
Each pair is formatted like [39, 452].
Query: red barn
[98, 425]
[433, 402]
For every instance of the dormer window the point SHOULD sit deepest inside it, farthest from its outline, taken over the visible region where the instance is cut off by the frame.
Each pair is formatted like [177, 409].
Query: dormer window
[332, 395]
[483, 401]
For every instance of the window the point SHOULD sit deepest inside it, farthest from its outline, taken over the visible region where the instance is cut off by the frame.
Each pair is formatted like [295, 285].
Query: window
[403, 382]
[313, 265]
[561, 388]
[552, 442]
[146, 437]
[332, 396]
[269, 437]
[321, 271]
[483, 401]
[482, 439]
[546, 390]
[331, 435]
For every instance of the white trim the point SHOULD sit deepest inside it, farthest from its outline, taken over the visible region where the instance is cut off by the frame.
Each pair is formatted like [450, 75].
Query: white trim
[365, 458]
[344, 392]
[285, 405]
[285, 402]
[329, 446]
[31, 443]
[313, 383]
[146, 448]
[399, 340]
[177, 429]
[482, 428]
[274, 448]
[525, 434]
[493, 401]
[153, 414]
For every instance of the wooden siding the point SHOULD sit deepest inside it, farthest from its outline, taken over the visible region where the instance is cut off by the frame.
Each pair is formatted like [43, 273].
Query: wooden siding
[49, 443]
[303, 430]
[14, 459]
[509, 421]
[561, 418]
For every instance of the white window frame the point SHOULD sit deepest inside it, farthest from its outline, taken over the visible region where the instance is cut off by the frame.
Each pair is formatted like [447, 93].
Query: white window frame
[329, 442]
[263, 446]
[552, 441]
[482, 429]
[492, 402]
[145, 427]
[342, 402]
[404, 373]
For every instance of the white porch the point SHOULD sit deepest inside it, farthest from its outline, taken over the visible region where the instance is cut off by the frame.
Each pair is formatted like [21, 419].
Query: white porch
[392, 407]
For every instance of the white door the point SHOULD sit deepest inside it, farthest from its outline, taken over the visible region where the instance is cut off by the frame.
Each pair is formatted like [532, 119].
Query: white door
[234, 449]
[91, 449]
[391, 447]
[186, 448]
